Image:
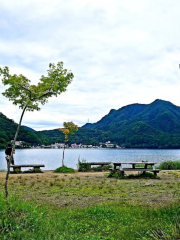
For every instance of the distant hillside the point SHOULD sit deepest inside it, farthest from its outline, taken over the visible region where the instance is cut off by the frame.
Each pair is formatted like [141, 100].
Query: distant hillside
[155, 125]
[8, 128]
[161, 115]
[142, 125]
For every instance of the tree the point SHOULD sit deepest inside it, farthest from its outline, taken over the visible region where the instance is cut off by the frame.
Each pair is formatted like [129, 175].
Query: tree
[28, 97]
[69, 129]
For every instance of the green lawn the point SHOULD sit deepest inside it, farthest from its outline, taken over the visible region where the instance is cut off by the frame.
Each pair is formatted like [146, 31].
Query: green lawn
[37, 208]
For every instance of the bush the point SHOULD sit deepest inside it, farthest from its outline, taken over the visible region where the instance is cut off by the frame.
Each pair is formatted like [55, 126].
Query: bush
[170, 165]
[64, 169]
[83, 166]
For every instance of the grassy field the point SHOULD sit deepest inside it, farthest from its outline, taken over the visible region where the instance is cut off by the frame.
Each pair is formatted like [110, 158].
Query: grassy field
[90, 206]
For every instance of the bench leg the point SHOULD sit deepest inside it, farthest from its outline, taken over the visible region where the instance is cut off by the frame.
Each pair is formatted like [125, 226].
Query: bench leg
[17, 169]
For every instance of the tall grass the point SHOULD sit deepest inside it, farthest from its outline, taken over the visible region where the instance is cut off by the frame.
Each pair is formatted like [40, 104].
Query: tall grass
[170, 165]
[22, 220]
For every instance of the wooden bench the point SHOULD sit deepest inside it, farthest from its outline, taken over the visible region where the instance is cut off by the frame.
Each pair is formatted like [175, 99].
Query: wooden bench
[155, 171]
[99, 163]
[144, 169]
[36, 167]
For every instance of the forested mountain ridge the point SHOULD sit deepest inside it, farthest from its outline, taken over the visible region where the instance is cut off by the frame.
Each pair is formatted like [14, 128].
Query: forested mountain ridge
[155, 125]
[161, 115]
[8, 128]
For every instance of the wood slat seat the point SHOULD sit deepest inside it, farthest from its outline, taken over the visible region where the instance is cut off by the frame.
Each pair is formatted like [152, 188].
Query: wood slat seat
[99, 163]
[155, 171]
[140, 169]
[36, 167]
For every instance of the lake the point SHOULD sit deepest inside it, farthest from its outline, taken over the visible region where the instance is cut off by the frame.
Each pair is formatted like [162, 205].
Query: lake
[52, 158]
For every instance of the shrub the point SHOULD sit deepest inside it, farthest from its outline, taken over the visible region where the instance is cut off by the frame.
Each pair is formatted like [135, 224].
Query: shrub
[64, 169]
[83, 166]
[170, 165]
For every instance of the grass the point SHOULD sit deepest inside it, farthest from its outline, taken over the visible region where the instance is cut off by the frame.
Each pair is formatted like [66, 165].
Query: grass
[23, 220]
[90, 206]
[64, 169]
[142, 166]
[170, 165]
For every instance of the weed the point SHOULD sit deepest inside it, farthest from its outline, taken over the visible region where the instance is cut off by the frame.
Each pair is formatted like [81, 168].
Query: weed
[51, 184]
[32, 184]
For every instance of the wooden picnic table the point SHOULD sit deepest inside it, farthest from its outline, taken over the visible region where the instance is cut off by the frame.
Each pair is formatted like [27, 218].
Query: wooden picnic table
[143, 169]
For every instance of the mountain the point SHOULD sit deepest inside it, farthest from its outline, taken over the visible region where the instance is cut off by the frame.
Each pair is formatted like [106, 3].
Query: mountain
[30, 129]
[161, 115]
[142, 125]
[154, 125]
[8, 128]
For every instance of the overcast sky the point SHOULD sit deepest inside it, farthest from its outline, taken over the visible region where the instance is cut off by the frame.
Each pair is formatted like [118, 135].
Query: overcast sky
[120, 52]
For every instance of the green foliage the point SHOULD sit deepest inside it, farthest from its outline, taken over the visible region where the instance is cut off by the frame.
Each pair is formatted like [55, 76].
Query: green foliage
[83, 166]
[170, 165]
[69, 129]
[21, 93]
[142, 165]
[64, 169]
[133, 126]
[167, 231]
[28, 97]
[8, 128]
[23, 220]
[154, 125]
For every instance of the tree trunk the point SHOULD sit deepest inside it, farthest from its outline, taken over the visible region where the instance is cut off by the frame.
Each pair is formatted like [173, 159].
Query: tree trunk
[63, 155]
[13, 148]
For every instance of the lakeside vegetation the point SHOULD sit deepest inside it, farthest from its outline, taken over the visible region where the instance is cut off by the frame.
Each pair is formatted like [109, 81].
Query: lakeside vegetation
[170, 165]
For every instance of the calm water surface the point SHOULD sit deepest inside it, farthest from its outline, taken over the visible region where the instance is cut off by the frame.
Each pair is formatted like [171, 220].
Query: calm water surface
[52, 158]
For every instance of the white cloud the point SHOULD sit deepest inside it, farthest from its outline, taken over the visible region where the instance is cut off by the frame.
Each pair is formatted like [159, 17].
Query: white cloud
[120, 52]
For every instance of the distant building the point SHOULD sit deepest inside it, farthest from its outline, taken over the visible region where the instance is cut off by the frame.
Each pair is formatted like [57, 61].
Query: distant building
[17, 143]
[109, 145]
[57, 145]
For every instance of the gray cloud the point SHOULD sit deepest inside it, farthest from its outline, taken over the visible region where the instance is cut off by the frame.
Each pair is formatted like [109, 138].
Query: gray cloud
[120, 52]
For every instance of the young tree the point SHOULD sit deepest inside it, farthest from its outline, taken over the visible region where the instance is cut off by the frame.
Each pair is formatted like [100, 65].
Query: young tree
[69, 129]
[28, 97]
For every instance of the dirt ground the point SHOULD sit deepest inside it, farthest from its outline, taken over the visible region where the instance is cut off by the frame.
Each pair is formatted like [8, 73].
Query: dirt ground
[91, 188]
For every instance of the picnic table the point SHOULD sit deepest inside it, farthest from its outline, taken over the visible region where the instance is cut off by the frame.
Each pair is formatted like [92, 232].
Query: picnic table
[144, 167]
